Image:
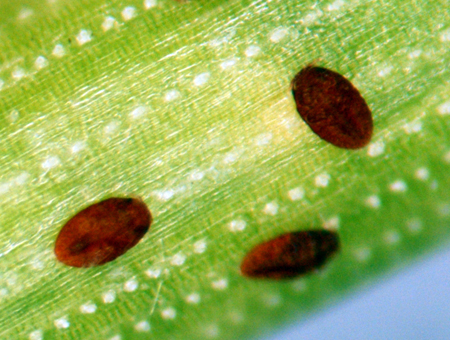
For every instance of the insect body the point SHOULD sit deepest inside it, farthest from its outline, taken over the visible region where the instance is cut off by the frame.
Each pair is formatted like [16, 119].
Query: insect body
[332, 107]
[102, 232]
[290, 255]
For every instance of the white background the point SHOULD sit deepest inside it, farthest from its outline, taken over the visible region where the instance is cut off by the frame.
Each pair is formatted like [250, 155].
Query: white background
[412, 305]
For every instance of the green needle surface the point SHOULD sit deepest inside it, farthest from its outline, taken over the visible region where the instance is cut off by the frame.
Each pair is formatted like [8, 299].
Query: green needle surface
[188, 106]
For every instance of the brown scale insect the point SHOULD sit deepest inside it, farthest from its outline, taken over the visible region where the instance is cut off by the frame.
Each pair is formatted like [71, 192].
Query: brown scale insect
[290, 255]
[332, 107]
[102, 232]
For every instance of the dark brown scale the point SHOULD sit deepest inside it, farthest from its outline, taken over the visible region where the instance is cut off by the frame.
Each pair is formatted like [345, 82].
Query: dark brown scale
[290, 255]
[102, 232]
[332, 107]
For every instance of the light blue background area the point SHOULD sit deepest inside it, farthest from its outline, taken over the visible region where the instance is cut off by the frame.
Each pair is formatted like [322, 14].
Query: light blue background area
[412, 305]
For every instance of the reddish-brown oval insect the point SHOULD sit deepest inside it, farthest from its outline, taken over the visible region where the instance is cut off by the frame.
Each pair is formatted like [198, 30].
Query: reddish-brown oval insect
[102, 232]
[290, 255]
[332, 107]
